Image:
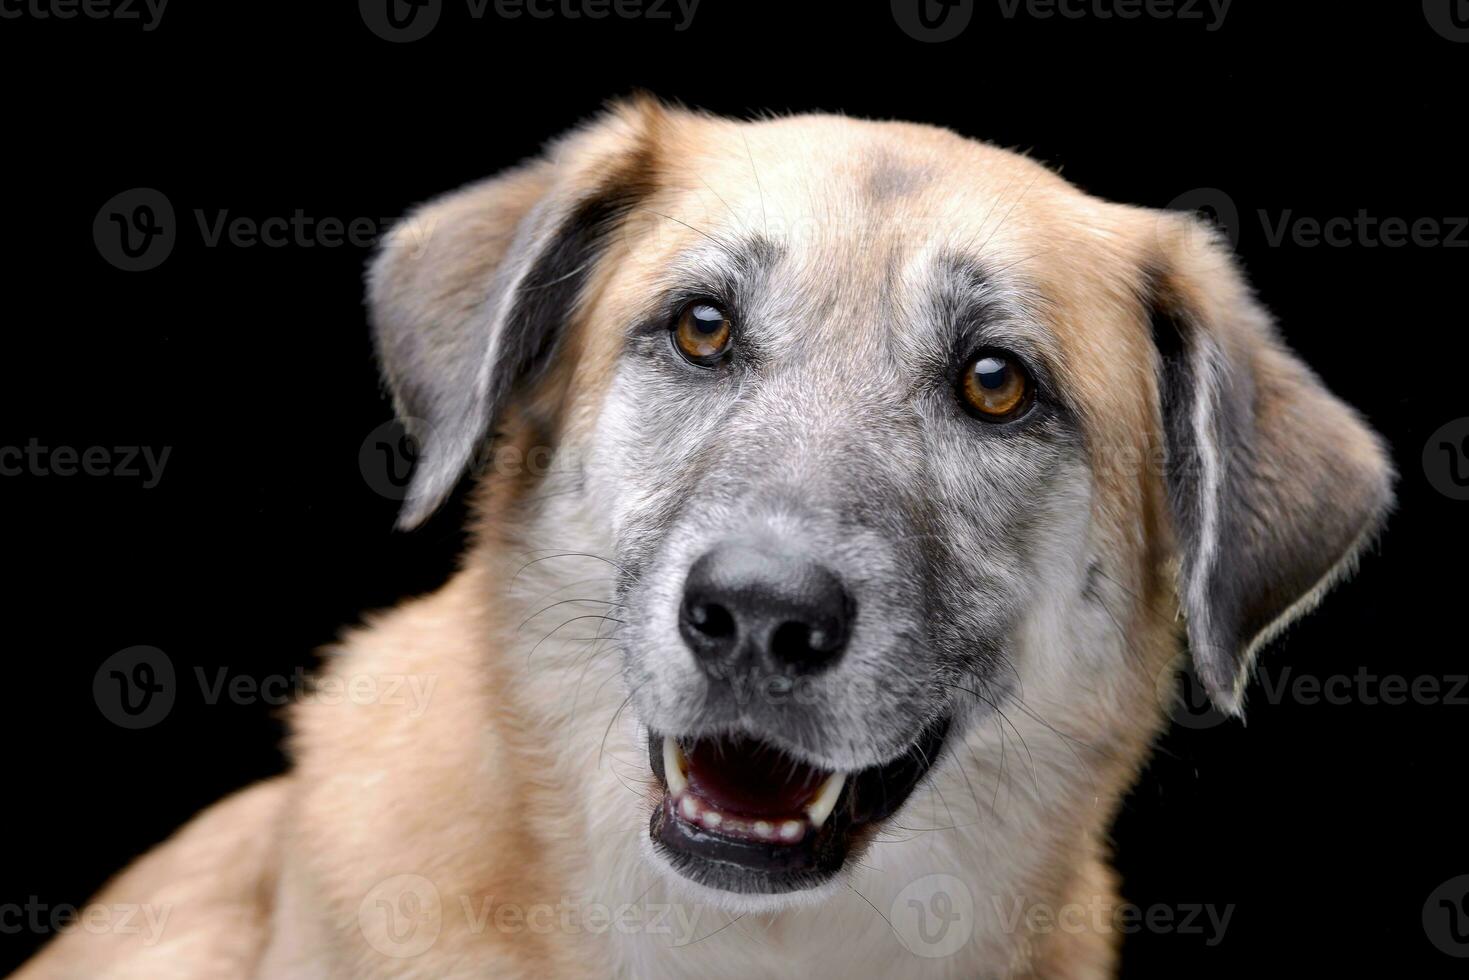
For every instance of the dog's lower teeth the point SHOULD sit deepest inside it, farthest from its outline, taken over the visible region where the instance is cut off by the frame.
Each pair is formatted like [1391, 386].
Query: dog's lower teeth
[696, 811]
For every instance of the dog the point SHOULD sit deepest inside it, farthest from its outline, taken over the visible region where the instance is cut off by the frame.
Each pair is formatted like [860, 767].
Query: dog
[847, 496]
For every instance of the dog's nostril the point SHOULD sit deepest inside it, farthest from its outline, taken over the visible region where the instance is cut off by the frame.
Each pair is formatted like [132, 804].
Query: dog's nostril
[799, 643]
[710, 618]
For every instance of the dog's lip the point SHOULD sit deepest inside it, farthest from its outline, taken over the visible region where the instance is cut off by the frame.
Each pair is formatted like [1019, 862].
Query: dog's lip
[769, 852]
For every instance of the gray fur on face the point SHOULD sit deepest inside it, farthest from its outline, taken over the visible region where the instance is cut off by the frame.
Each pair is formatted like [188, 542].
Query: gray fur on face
[835, 430]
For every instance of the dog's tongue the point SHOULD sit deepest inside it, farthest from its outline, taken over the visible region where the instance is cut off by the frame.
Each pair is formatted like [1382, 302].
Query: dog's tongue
[740, 776]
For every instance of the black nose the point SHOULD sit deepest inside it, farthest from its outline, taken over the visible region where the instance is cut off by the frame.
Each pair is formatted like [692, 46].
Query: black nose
[744, 604]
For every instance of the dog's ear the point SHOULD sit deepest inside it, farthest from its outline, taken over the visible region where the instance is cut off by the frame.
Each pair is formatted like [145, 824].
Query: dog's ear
[1273, 484]
[470, 294]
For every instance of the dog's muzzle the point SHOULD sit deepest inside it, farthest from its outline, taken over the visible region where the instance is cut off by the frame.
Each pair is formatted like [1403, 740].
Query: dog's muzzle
[739, 812]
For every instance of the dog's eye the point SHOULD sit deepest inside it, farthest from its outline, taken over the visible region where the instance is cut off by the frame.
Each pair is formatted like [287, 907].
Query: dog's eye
[702, 333]
[994, 386]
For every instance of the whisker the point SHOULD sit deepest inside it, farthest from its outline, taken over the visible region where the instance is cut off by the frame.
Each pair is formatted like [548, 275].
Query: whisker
[875, 909]
[565, 554]
[714, 933]
[562, 602]
[722, 246]
[563, 624]
[996, 708]
[602, 748]
[764, 218]
[1006, 218]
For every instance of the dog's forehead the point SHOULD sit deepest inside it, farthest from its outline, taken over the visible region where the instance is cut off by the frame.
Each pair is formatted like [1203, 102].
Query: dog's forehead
[880, 211]
[825, 180]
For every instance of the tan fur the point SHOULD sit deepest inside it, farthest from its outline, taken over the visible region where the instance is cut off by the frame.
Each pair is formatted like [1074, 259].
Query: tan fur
[211, 885]
[507, 788]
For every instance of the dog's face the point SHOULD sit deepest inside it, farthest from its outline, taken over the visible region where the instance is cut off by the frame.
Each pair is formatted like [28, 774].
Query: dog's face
[867, 412]
[839, 461]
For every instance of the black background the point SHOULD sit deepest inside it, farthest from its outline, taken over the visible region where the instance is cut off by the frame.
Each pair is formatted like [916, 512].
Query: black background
[1326, 825]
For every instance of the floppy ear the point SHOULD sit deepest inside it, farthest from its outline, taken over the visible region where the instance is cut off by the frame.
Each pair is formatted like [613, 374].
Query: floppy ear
[1274, 485]
[470, 294]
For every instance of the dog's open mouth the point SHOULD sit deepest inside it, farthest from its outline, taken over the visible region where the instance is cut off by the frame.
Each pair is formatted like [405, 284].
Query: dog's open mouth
[740, 815]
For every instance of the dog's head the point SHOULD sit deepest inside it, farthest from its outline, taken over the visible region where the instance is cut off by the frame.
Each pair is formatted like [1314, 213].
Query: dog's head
[879, 423]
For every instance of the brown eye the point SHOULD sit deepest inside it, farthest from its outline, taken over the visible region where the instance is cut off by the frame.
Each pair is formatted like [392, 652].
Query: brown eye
[702, 334]
[995, 387]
